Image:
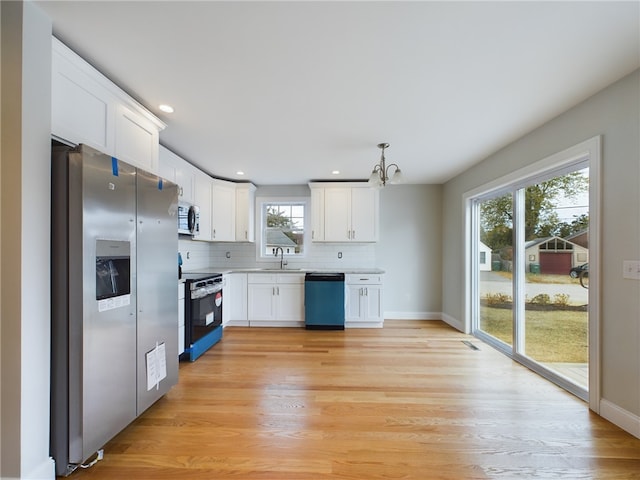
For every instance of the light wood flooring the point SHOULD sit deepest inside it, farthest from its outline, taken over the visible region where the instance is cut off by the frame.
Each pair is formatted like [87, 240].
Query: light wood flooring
[409, 401]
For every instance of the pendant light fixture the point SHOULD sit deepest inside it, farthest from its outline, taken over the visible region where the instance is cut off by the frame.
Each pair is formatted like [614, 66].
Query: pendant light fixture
[380, 174]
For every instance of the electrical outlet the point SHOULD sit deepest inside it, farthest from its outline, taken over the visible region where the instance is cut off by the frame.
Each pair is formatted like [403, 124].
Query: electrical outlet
[631, 269]
[339, 254]
[228, 255]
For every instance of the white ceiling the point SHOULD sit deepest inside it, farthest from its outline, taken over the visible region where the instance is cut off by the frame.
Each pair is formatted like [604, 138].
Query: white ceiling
[289, 91]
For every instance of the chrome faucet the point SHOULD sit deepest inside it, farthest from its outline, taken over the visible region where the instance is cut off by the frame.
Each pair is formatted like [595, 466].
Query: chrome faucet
[282, 262]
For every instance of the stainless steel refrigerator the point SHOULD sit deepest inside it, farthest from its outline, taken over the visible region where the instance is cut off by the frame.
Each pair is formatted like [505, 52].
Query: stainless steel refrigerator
[114, 299]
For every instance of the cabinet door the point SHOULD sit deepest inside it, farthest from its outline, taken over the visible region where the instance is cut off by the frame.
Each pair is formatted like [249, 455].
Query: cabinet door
[337, 214]
[245, 213]
[136, 140]
[261, 302]
[223, 212]
[186, 178]
[290, 300]
[166, 165]
[80, 111]
[317, 214]
[234, 304]
[373, 303]
[354, 303]
[203, 200]
[364, 215]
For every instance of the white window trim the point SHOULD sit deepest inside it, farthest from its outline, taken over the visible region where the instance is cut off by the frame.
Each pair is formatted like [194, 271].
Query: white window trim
[554, 164]
[261, 257]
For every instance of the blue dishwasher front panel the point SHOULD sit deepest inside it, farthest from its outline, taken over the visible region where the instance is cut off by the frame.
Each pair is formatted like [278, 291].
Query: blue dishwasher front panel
[324, 301]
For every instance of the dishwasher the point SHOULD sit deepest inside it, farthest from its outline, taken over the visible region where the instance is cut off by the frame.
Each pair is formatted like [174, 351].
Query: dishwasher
[324, 301]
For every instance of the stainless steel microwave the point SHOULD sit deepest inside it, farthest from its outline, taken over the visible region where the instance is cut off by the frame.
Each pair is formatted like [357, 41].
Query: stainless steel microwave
[188, 219]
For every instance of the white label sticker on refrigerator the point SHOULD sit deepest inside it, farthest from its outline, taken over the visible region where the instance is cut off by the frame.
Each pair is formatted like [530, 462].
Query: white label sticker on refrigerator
[209, 318]
[156, 366]
[113, 302]
[152, 369]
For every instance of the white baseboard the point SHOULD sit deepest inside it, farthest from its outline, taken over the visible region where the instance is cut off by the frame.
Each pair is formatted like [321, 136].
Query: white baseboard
[454, 322]
[412, 315]
[45, 471]
[620, 417]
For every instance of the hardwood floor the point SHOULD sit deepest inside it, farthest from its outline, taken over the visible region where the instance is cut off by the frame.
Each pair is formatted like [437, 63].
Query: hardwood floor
[410, 401]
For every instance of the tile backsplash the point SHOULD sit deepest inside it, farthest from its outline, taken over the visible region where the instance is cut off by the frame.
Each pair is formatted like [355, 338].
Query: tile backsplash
[201, 255]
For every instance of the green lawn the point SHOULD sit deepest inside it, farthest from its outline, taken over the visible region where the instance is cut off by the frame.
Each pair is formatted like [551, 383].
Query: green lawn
[550, 336]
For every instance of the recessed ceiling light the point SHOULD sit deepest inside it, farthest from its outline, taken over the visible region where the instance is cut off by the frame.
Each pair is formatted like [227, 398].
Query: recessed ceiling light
[335, 172]
[166, 108]
[239, 172]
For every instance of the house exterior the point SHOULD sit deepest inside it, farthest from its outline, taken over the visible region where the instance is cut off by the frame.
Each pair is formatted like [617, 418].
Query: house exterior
[580, 238]
[276, 238]
[484, 254]
[554, 255]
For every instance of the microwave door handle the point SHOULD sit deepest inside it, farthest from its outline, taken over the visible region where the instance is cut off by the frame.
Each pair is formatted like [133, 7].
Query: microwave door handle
[191, 222]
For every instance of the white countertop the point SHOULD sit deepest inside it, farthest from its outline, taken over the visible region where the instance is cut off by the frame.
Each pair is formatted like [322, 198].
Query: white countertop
[347, 270]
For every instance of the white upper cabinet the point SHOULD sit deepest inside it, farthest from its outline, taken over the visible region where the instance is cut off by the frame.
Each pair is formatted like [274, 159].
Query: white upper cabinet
[179, 171]
[347, 213]
[223, 209]
[317, 214]
[136, 139]
[88, 108]
[80, 110]
[202, 196]
[364, 214]
[245, 212]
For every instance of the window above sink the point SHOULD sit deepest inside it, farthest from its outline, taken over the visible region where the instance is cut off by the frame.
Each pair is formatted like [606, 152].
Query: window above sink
[283, 225]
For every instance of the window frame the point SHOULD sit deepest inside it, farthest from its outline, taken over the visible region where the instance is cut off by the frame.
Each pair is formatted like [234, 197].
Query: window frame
[261, 203]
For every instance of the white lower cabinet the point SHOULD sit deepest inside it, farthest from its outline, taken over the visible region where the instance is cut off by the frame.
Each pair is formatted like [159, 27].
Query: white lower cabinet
[234, 300]
[275, 300]
[364, 301]
[180, 318]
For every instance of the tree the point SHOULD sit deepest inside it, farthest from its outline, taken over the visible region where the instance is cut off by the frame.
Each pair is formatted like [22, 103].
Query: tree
[579, 224]
[277, 218]
[540, 217]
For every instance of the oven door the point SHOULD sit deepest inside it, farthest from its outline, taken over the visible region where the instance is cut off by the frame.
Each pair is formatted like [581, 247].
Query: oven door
[205, 312]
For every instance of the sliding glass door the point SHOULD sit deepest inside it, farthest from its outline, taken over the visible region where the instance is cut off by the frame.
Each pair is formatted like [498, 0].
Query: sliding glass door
[495, 268]
[531, 257]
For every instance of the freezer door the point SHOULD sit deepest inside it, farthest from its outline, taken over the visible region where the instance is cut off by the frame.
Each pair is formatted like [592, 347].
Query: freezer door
[157, 279]
[103, 330]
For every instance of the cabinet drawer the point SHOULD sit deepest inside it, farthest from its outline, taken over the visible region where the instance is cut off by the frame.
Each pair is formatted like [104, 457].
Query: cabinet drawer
[274, 278]
[290, 278]
[363, 279]
[262, 278]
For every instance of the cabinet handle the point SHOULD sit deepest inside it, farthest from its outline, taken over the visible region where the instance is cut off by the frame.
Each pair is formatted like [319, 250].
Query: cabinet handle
[246, 235]
[353, 234]
[214, 233]
[349, 234]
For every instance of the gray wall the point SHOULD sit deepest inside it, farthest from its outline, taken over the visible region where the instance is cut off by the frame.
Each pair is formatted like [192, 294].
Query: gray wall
[613, 113]
[25, 245]
[410, 249]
